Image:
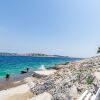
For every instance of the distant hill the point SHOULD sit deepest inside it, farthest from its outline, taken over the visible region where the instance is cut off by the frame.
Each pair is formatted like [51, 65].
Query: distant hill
[29, 54]
[8, 54]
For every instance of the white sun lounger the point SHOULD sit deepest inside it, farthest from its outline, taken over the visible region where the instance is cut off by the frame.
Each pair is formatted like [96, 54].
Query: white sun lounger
[89, 96]
[97, 97]
[93, 97]
[83, 95]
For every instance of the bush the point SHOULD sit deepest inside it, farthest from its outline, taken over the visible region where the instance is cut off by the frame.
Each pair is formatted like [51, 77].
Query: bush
[89, 80]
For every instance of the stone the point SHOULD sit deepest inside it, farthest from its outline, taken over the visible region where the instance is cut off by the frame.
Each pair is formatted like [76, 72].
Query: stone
[71, 80]
[98, 69]
[42, 96]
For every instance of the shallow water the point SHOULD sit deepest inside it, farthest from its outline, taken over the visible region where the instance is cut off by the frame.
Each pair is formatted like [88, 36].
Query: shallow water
[14, 64]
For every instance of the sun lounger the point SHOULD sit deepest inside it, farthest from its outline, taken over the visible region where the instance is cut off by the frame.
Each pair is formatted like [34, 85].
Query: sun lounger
[97, 97]
[83, 95]
[93, 97]
[89, 96]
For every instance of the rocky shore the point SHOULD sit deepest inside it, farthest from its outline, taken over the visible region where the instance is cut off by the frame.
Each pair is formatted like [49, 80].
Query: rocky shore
[71, 80]
[62, 82]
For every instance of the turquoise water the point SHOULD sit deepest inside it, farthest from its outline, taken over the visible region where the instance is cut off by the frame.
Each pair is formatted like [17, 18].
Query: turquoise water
[14, 64]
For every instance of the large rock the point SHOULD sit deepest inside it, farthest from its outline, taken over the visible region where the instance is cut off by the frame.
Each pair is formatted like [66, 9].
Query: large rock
[43, 96]
[97, 75]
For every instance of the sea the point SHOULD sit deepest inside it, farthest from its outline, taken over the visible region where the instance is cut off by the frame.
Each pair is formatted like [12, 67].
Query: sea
[13, 65]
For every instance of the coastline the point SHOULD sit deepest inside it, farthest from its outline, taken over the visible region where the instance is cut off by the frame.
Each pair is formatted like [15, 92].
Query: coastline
[71, 80]
[17, 87]
[12, 82]
[19, 81]
[14, 64]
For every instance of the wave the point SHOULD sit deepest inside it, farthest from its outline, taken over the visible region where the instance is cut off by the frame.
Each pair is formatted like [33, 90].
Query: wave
[42, 67]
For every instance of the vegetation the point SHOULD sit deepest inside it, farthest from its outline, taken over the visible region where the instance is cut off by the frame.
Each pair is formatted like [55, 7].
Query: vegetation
[27, 54]
[89, 80]
[38, 54]
[98, 51]
[7, 54]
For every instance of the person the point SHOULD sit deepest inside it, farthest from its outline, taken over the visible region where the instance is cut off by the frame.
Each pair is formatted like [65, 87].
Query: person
[27, 69]
[7, 77]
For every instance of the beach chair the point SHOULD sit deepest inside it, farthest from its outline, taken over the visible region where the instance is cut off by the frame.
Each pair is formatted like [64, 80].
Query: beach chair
[89, 96]
[97, 97]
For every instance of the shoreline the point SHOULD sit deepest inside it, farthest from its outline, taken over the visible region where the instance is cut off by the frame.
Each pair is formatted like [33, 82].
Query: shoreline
[17, 76]
[14, 88]
[19, 79]
[17, 64]
[17, 87]
[12, 82]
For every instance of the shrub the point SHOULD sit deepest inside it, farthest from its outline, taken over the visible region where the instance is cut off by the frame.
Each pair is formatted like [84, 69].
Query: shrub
[89, 80]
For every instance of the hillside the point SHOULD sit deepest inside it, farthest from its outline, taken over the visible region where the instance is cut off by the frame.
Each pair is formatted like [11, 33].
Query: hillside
[29, 54]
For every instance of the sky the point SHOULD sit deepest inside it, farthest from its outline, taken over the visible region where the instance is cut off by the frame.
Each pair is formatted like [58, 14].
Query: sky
[63, 27]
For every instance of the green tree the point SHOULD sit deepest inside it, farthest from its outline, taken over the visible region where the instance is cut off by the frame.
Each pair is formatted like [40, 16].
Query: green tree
[98, 51]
